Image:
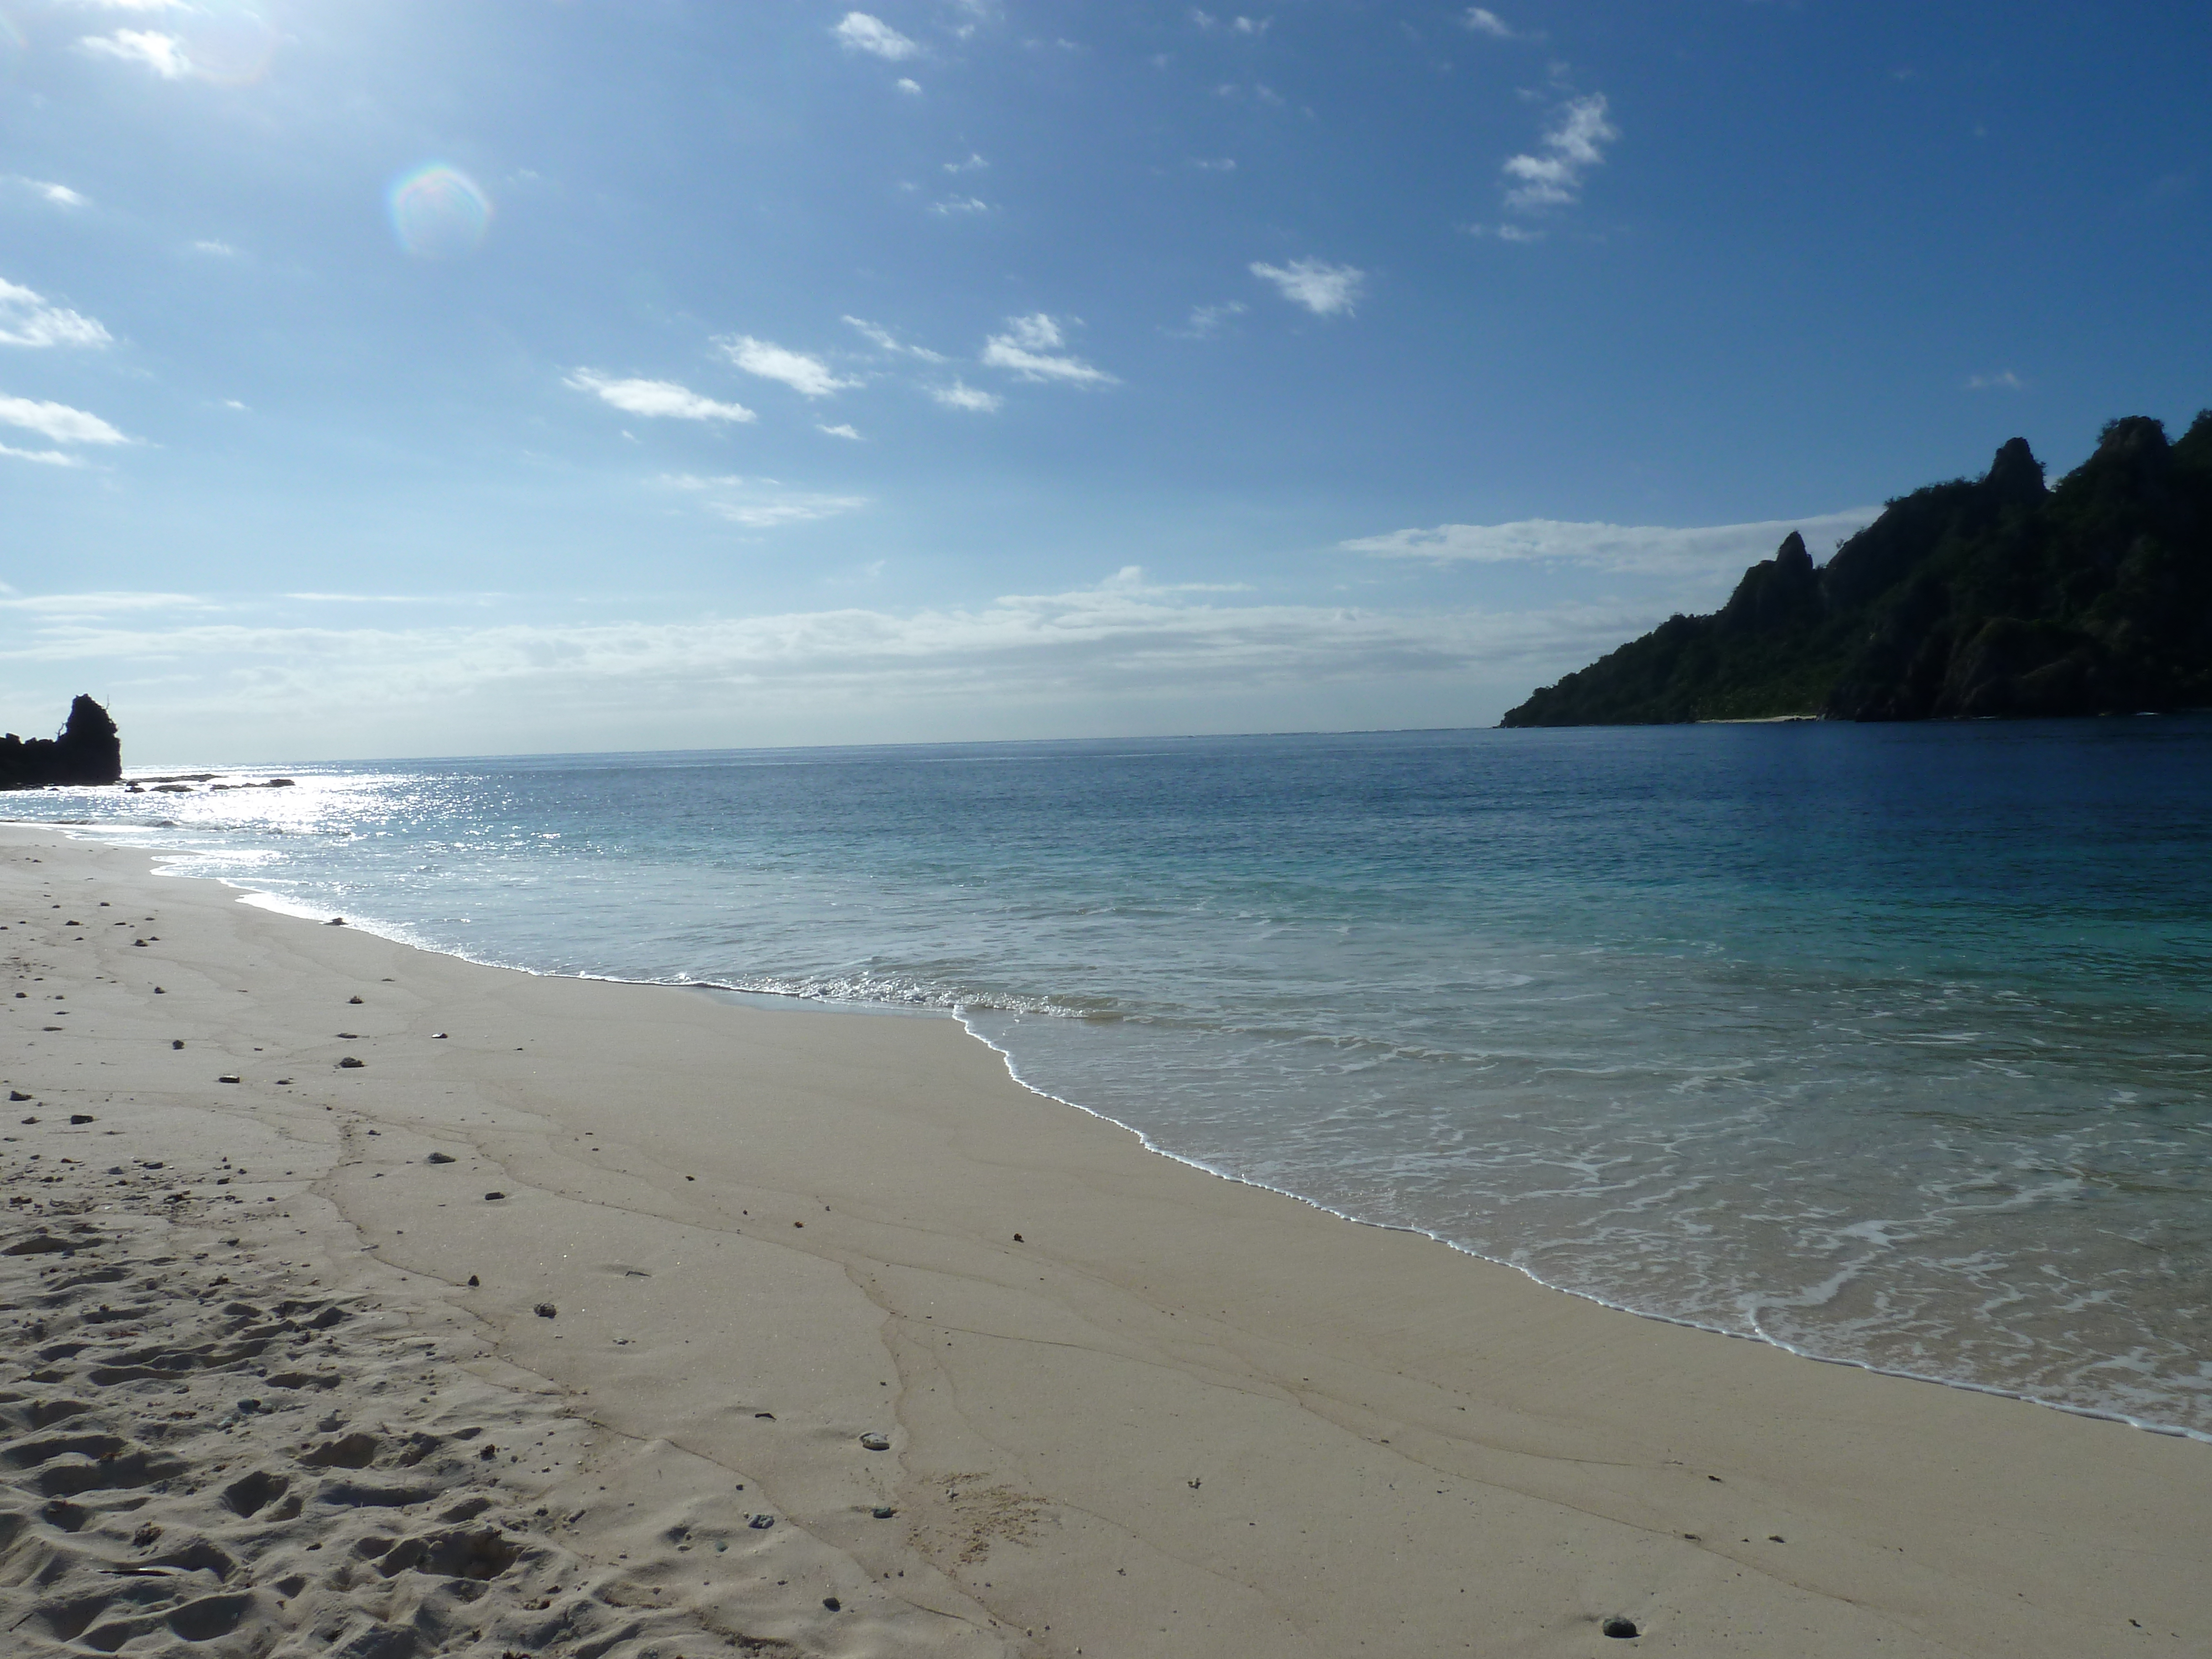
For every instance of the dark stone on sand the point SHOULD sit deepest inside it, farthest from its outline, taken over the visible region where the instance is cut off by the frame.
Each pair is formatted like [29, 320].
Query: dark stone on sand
[833, 1603]
[1623, 1628]
[761, 1522]
[353, 1001]
[176, 1042]
[228, 1077]
[883, 1511]
[334, 921]
[349, 1064]
[474, 1282]
[439, 1157]
[546, 1310]
[492, 1197]
[82, 1117]
[437, 1034]
[875, 1442]
[17, 1094]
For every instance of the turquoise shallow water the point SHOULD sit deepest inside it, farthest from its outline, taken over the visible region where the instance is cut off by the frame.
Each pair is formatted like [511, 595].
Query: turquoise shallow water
[1890, 1044]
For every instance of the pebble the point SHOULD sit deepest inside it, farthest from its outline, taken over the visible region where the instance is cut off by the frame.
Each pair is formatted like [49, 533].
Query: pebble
[883, 1511]
[439, 1157]
[546, 1310]
[1623, 1628]
[875, 1442]
[349, 1064]
[353, 1001]
[490, 1197]
[82, 1117]
[832, 1603]
[761, 1522]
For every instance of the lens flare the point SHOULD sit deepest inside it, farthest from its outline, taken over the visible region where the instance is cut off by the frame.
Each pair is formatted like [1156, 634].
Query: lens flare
[439, 213]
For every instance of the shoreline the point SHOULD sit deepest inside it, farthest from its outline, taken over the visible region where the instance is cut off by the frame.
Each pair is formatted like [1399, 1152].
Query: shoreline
[798, 1002]
[1174, 1415]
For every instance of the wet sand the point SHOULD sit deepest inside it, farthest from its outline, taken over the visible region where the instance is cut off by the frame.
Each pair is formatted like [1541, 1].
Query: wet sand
[620, 1408]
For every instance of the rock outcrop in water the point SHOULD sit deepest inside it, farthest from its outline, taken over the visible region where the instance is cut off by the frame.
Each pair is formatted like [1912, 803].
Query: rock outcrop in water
[1976, 597]
[88, 750]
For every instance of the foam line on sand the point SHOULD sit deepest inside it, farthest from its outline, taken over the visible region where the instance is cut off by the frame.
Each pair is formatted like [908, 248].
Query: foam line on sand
[280, 1377]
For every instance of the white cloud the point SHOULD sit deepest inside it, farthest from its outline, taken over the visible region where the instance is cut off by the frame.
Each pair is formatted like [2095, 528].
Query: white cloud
[1507, 232]
[135, 5]
[57, 422]
[1553, 177]
[975, 163]
[1215, 164]
[1123, 637]
[103, 604]
[840, 431]
[883, 339]
[1642, 549]
[954, 205]
[1026, 348]
[770, 514]
[59, 195]
[961, 395]
[1484, 21]
[43, 457]
[1251, 27]
[858, 31]
[2006, 381]
[1322, 289]
[659, 397]
[164, 54]
[808, 376]
[914, 88]
[215, 250]
[25, 320]
[1206, 321]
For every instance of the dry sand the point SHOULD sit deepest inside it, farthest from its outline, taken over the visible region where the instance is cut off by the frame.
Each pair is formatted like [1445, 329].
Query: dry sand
[275, 1382]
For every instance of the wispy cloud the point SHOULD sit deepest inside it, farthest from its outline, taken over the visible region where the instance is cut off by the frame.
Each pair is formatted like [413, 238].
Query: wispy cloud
[58, 424]
[858, 31]
[1250, 28]
[961, 395]
[959, 206]
[1322, 289]
[883, 339]
[840, 431]
[1214, 163]
[59, 195]
[975, 163]
[913, 89]
[760, 503]
[1032, 347]
[43, 457]
[215, 250]
[1126, 637]
[1552, 176]
[1645, 549]
[1482, 21]
[809, 376]
[656, 398]
[1206, 321]
[2005, 381]
[27, 319]
[164, 54]
[111, 604]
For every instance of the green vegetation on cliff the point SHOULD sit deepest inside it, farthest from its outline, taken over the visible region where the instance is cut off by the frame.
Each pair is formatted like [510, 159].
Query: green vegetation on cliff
[1988, 596]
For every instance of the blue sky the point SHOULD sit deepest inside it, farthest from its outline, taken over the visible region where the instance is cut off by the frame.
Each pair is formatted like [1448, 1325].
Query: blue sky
[393, 377]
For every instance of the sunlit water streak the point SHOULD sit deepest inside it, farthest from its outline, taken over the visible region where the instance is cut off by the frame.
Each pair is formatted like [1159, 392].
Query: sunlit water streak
[1889, 1044]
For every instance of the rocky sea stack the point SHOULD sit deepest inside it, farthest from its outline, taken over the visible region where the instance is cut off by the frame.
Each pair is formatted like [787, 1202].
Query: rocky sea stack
[88, 750]
[1979, 597]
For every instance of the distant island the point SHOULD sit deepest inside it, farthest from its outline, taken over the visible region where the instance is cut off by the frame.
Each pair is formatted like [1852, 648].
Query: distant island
[1994, 597]
[88, 750]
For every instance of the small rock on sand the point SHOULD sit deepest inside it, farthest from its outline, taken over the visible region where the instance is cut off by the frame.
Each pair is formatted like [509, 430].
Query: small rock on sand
[546, 1310]
[82, 1117]
[353, 1001]
[334, 921]
[439, 1157]
[492, 1197]
[1623, 1628]
[349, 1064]
[875, 1442]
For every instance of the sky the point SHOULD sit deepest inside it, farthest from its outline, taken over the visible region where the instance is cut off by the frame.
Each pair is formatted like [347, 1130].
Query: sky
[387, 377]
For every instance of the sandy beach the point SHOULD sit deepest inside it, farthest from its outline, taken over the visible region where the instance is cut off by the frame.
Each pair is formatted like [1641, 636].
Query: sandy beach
[368, 1302]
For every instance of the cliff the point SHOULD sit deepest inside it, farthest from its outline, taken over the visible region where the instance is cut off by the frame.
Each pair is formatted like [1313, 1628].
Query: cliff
[88, 750]
[1994, 596]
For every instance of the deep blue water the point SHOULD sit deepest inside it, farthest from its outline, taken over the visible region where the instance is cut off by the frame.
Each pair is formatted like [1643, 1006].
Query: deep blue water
[1890, 1044]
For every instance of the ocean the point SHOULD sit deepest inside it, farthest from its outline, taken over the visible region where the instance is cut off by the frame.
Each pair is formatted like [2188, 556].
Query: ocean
[1886, 1044]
